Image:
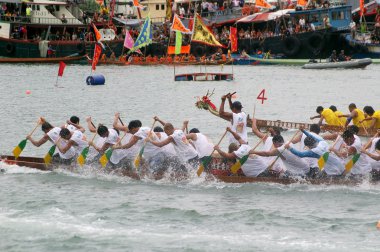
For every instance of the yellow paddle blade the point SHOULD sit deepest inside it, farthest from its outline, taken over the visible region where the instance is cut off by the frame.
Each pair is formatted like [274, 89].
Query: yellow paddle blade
[103, 160]
[81, 161]
[137, 161]
[201, 168]
[235, 167]
[322, 160]
[47, 159]
[17, 151]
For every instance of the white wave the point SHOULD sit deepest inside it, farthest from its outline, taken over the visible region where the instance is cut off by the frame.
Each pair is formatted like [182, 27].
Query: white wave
[15, 169]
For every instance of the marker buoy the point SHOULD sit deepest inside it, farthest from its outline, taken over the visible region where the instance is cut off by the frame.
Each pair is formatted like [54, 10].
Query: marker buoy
[378, 225]
[28, 92]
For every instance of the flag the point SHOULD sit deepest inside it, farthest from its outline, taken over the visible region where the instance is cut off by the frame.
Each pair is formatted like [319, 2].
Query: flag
[352, 162]
[323, 160]
[128, 42]
[168, 10]
[202, 34]
[235, 167]
[191, 23]
[206, 161]
[82, 157]
[105, 158]
[233, 39]
[19, 148]
[62, 66]
[178, 42]
[97, 52]
[177, 25]
[263, 4]
[145, 36]
[361, 4]
[49, 155]
[301, 2]
[137, 5]
[98, 36]
[184, 49]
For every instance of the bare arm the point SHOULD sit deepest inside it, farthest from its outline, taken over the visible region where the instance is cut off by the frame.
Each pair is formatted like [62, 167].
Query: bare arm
[77, 126]
[116, 124]
[192, 136]
[236, 136]
[298, 138]
[40, 142]
[320, 120]
[257, 132]
[225, 154]
[273, 152]
[90, 125]
[184, 125]
[330, 136]
[159, 120]
[225, 115]
[314, 117]
[131, 142]
[372, 155]
[67, 147]
[163, 143]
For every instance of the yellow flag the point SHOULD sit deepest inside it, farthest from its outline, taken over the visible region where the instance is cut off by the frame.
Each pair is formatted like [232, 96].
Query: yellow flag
[202, 34]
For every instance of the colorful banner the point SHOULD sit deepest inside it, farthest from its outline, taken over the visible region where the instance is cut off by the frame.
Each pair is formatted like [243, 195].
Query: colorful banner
[97, 52]
[178, 42]
[98, 36]
[233, 39]
[145, 36]
[202, 34]
[184, 49]
[128, 42]
[62, 66]
[137, 5]
[263, 4]
[177, 25]
[361, 7]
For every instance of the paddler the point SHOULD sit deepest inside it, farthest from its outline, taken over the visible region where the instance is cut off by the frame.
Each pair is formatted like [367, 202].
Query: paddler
[110, 138]
[356, 115]
[182, 146]
[52, 135]
[338, 113]
[237, 118]
[73, 124]
[200, 142]
[372, 117]
[353, 146]
[327, 115]
[255, 166]
[372, 150]
[74, 139]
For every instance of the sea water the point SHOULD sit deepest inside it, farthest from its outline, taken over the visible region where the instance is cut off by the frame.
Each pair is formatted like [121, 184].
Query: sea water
[93, 211]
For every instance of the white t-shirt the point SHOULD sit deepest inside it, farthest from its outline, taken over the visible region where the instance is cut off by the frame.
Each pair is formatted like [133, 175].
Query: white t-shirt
[80, 140]
[239, 125]
[254, 165]
[293, 163]
[203, 146]
[130, 153]
[184, 149]
[268, 146]
[150, 149]
[313, 162]
[362, 166]
[71, 128]
[169, 148]
[374, 164]
[334, 164]
[53, 134]
[112, 137]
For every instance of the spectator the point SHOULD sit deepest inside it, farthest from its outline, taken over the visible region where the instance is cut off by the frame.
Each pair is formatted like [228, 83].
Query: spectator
[63, 19]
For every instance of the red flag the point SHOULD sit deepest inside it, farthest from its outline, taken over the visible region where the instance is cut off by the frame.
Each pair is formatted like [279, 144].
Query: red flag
[98, 36]
[95, 59]
[191, 22]
[62, 66]
[233, 38]
[361, 3]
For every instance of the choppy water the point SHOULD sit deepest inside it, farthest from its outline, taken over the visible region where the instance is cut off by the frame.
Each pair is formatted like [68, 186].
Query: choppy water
[63, 211]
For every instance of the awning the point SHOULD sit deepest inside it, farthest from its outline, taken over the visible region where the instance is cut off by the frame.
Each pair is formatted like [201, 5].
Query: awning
[264, 17]
[129, 22]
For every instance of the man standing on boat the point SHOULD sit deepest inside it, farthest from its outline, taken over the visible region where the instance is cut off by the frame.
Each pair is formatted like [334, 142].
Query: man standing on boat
[237, 118]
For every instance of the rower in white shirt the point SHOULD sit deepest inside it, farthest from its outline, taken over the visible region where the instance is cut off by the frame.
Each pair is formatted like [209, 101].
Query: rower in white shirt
[201, 143]
[74, 139]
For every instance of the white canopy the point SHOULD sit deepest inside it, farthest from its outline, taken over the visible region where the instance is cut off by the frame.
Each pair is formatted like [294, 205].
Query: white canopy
[264, 16]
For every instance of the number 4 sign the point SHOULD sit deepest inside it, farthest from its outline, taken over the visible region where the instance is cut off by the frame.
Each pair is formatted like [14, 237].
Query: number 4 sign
[261, 96]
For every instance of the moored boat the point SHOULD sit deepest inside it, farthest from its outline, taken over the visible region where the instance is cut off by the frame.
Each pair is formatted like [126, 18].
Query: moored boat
[204, 77]
[349, 64]
[72, 59]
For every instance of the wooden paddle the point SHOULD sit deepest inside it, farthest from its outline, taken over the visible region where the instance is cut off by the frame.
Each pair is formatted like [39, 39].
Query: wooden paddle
[207, 159]
[107, 155]
[20, 147]
[280, 154]
[365, 129]
[137, 160]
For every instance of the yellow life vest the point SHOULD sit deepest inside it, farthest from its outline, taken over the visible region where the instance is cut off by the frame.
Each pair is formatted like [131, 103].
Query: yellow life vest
[376, 115]
[330, 117]
[360, 117]
[342, 120]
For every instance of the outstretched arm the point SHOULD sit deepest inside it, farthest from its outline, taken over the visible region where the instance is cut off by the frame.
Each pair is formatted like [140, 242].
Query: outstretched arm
[66, 148]
[273, 152]
[314, 117]
[257, 132]
[40, 142]
[159, 120]
[303, 154]
[163, 143]
[90, 125]
[225, 154]
[223, 114]
[236, 136]
[192, 136]
[131, 142]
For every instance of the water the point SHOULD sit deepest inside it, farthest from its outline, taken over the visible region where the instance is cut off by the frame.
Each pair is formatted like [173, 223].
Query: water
[64, 211]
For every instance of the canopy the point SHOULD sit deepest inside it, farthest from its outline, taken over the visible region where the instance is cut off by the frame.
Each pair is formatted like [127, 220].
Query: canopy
[129, 22]
[264, 16]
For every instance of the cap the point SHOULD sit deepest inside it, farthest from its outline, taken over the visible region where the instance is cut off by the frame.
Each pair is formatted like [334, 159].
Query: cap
[237, 105]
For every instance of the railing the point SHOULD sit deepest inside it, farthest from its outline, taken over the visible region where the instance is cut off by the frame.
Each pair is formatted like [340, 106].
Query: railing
[39, 20]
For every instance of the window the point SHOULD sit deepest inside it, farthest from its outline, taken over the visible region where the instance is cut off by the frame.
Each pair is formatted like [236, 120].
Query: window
[157, 6]
[337, 15]
[162, 7]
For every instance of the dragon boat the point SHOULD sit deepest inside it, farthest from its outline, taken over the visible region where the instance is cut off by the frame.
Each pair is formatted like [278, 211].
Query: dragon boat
[204, 103]
[218, 170]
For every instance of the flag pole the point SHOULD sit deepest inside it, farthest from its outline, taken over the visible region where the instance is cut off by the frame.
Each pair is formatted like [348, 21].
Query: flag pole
[56, 81]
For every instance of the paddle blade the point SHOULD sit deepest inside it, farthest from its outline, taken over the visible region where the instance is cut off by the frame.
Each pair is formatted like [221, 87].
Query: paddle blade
[205, 162]
[82, 157]
[105, 158]
[19, 148]
[137, 160]
[236, 166]
[201, 168]
[49, 155]
[322, 160]
[352, 162]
